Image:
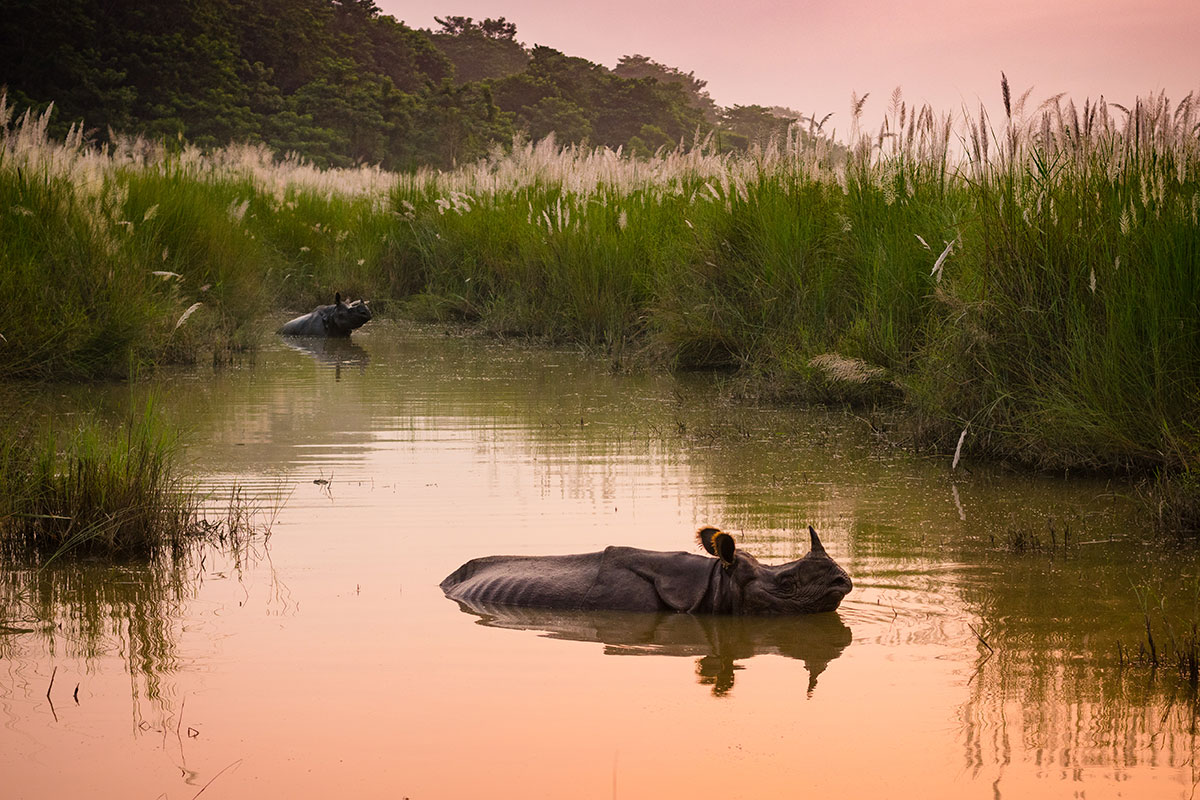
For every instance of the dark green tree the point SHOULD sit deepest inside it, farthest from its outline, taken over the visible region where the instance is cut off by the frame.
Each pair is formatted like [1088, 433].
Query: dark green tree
[639, 66]
[580, 100]
[480, 50]
[457, 124]
[756, 125]
[339, 82]
[333, 80]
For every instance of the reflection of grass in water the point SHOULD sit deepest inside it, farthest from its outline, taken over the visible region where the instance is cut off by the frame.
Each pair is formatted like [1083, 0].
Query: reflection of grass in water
[102, 540]
[1175, 648]
[86, 609]
[90, 609]
[1038, 698]
[131, 607]
[1051, 687]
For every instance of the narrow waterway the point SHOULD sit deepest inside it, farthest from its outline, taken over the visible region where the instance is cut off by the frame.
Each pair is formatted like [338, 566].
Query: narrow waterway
[976, 656]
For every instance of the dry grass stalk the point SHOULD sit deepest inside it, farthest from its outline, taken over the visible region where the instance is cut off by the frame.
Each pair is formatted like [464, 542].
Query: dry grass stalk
[847, 370]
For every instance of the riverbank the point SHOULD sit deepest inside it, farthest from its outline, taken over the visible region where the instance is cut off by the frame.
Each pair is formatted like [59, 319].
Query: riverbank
[1036, 299]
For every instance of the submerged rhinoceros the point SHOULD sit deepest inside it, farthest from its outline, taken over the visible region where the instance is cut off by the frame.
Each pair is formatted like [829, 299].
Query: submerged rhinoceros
[629, 579]
[338, 319]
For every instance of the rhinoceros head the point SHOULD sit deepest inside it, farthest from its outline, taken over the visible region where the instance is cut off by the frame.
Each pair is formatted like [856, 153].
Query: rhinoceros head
[342, 318]
[811, 584]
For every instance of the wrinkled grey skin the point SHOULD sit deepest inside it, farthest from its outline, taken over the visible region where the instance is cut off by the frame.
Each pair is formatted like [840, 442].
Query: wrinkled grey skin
[629, 579]
[338, 319]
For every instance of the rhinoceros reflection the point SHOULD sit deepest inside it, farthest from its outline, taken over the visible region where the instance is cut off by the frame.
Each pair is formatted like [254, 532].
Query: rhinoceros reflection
[331, 352]
[717, 642]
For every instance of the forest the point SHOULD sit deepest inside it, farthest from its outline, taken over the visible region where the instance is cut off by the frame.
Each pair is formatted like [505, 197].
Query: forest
[339, 83]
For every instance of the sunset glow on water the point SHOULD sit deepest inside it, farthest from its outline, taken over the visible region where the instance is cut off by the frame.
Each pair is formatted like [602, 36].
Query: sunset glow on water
[327, 660]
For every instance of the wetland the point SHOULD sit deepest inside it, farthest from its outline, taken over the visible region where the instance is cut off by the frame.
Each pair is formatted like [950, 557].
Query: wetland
[977, 655]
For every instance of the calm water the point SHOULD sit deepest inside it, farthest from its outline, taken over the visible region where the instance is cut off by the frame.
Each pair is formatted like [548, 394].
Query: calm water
[326, 662]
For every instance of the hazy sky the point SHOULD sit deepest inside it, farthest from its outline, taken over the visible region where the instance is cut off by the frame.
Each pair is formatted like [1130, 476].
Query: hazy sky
[811, 55]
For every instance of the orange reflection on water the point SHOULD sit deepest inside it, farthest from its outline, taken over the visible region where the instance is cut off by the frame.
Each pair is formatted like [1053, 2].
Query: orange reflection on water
[329, 663]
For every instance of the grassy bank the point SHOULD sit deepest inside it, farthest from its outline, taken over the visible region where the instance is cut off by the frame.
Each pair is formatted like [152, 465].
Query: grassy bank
[98, 490]
[140, 254]
[1028, 288]
[1042, 292]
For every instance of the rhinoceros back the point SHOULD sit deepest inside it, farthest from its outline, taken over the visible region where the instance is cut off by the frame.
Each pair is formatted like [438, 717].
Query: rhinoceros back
[536, 581]
[310, 324]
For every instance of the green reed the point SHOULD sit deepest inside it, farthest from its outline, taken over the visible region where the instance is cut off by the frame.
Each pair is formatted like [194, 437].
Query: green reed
[96, 489]
[1037, 288]
[142, 254]
[1041, 292]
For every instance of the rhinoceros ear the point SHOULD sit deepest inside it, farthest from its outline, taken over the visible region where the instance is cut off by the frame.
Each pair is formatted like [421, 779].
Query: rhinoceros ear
[723, 542]
[717, 543]
[337, 298]
[817, 547]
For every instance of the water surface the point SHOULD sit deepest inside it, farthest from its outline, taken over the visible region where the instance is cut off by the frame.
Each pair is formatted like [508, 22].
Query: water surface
[327, 662]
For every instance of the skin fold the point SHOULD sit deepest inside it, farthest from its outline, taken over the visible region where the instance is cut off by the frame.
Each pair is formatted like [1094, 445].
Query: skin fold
[629, 579]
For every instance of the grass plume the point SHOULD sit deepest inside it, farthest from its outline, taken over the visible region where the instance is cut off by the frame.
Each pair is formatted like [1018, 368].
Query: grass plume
[1036, 286]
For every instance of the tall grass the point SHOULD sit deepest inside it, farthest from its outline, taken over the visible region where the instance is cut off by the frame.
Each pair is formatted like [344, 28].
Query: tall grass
[1034, 282]
[115, 258]
[92, 489]
[1069, 325]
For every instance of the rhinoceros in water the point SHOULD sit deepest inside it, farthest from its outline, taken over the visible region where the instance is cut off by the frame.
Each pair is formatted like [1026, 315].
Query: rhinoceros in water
[629, 579]
[338, 319]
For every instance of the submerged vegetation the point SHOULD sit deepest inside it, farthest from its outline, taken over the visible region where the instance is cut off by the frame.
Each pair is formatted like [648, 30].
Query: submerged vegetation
[1176, 648]
[1028, 289]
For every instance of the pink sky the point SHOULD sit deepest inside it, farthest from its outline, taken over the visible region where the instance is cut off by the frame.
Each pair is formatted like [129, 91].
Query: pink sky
[811, 55]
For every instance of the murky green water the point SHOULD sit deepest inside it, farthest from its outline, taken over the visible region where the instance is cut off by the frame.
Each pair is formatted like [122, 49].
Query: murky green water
[326, 662]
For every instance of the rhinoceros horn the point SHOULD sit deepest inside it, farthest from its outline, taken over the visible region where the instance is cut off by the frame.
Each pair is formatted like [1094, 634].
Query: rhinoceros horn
[817, 547]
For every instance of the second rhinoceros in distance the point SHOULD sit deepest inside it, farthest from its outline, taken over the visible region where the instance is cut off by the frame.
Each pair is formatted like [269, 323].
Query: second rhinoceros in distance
[630, 579]
[339, 319]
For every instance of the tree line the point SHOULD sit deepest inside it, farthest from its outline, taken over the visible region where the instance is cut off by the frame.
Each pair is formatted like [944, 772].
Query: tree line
[340, 83]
